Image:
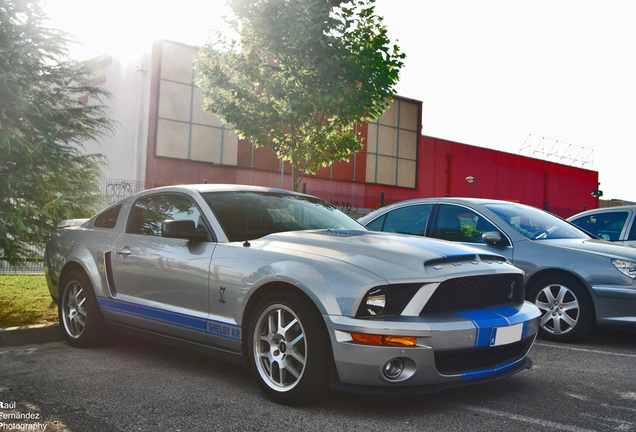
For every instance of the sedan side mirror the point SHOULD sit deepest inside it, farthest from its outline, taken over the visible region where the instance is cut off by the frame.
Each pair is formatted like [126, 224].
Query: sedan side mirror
[184, 229]
[494, 238]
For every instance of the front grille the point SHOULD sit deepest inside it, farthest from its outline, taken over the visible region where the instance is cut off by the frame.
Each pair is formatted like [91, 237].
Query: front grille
[459, 361]
[475, 292]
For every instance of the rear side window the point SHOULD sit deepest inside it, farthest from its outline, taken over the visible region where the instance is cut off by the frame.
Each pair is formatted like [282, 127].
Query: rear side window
[107, 219]
[607, 226]
[408, 220]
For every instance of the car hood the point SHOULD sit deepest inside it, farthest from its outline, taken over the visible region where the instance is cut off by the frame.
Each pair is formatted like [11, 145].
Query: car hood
[389, 256]
[594, 246]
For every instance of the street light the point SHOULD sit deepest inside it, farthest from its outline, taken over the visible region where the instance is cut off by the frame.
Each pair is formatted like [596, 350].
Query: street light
[471, 179]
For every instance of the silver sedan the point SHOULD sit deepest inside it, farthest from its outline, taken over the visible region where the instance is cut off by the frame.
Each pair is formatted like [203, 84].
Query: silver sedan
[575, 280]
[286, 283]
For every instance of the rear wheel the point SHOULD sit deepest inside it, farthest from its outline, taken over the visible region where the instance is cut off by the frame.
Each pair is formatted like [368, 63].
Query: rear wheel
[289, 349]
[80, 318]
[568, 311]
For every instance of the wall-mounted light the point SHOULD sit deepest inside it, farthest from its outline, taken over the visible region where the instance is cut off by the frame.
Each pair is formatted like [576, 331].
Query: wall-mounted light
[471, 179]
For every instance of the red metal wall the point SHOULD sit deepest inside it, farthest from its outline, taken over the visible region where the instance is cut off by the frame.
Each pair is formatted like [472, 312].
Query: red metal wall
[443, 168]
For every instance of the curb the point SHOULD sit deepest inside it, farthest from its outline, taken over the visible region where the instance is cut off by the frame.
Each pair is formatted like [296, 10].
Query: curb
[30, 334]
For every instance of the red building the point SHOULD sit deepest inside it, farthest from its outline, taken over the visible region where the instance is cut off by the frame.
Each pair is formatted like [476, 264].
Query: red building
[187, 145]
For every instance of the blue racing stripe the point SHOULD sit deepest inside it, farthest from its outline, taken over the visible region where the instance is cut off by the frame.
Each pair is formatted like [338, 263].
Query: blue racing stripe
[483, 373]
[484, 320]
[202, 325]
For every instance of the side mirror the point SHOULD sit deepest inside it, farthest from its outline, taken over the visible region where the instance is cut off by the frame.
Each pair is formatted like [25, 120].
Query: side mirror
[184, 229]
[494, 238]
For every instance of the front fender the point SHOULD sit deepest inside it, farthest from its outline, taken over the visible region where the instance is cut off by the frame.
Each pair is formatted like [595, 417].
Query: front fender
[334, 287]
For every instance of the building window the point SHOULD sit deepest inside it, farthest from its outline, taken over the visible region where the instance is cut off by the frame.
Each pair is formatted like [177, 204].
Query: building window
[392, 143]
[184, 130]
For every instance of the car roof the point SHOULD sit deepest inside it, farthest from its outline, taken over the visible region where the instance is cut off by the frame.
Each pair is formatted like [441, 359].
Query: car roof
[604, 210]
[215, 187]
[475, 201]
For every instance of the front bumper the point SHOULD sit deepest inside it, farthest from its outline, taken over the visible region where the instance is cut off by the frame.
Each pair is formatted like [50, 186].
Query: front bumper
[452, 349]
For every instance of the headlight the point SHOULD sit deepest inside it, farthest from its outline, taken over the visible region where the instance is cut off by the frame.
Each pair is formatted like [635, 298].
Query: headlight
[628, 268]
[376, 301]
[388, 300]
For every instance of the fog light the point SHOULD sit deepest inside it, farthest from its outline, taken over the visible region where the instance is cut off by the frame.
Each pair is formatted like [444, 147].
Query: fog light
[393, 369]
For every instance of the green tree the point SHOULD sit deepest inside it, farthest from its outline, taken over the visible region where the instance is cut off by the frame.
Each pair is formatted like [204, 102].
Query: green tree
[49, 105]
[300, 75]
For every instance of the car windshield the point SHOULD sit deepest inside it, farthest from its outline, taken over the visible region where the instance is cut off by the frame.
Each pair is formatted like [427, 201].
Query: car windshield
[251, 215]
[535, 224]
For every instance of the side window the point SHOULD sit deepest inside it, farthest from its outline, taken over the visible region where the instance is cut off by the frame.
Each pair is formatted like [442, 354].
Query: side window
[107, 219]
[377, 224]
[457, 223]
[632, 232]
[607, 226]
[408, 220]
[148, 214]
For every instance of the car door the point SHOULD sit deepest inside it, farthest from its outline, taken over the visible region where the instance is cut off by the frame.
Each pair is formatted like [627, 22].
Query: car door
[162, 283]
[458, 223]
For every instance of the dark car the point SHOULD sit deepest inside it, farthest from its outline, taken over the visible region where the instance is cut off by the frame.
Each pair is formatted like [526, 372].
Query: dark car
[576, 280]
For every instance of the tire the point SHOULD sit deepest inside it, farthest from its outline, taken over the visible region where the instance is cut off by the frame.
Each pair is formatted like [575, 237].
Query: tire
[288, 349]
[80, 318]
[567, 309]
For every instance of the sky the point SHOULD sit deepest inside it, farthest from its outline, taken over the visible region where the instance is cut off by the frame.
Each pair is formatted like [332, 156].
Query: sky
[534, 77]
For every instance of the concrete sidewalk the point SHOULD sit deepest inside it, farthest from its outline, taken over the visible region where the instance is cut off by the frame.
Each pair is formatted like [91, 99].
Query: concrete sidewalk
[30, 334]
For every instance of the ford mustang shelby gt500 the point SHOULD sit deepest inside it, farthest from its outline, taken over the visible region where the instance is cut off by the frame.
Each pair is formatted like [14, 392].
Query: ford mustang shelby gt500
[303, 294]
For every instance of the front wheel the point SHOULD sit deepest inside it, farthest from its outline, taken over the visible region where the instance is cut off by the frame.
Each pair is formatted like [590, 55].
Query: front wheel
[566, 307]
[289, 349]
[79, 314]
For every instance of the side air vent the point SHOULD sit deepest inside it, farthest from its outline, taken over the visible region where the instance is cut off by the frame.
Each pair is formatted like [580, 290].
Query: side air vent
[110, 275]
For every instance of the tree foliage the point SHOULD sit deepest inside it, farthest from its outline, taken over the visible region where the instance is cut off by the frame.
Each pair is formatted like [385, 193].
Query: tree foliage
[44, 118]
[300, 76]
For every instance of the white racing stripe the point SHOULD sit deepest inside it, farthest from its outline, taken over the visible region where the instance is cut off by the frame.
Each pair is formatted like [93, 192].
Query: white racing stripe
[585, 350]
[530, 420]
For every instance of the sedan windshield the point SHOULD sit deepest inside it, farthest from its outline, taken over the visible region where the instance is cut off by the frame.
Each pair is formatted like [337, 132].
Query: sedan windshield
[535, 224]
[251, 215]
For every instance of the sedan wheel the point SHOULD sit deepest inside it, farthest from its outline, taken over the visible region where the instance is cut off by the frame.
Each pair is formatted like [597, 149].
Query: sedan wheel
[289, 349]
[79, 314]
[568, 312]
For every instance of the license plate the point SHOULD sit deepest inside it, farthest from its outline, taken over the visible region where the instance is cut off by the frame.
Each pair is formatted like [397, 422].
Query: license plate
[506, 335]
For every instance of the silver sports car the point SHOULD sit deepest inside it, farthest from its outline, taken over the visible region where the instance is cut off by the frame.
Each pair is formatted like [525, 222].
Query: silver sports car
[304, 295]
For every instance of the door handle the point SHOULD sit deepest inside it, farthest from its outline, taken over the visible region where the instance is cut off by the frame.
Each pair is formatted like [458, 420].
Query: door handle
[124, 251]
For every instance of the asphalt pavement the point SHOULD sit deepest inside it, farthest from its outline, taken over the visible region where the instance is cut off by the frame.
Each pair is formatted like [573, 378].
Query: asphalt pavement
[130, 385]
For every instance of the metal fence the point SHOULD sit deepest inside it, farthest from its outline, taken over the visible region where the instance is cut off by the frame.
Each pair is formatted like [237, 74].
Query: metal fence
[112, 190]
[32, 266]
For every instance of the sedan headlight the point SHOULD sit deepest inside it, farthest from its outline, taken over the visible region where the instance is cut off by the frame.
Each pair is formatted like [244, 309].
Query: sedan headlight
[628, 268]
[387, 300]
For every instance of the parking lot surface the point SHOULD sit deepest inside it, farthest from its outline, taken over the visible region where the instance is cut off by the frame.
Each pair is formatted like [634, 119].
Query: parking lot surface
[128, 385]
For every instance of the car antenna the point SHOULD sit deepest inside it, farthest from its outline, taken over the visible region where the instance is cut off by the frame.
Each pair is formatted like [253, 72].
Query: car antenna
[247, 228]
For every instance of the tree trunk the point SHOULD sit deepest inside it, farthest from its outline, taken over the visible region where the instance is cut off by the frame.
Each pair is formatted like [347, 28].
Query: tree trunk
[295, 177]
